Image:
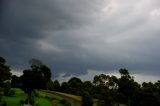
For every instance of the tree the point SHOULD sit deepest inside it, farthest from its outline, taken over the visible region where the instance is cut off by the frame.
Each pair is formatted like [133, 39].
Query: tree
[65, 87]
[105, 99]
[49, 85]
[103, 80]
[32, 80]
[5, 73]
[157, 86]
[124, 73]
[88, 87]
[75, 85]
[35, 78]
[113, 83]
[127, 86]
[147, 96]
[15, 81]
[56, 85]
[46, 72]
[87, 99]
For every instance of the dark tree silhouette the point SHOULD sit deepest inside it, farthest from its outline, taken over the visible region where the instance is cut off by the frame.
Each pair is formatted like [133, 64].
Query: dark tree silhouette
[87, 99]
[5, 73]
[56, 85]
[35, 78]
[15, 81]
[75, 85]
[65, 87]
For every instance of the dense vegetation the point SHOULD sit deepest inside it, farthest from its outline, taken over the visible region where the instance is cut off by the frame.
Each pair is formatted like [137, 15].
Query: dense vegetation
[111, 91]
[105, 90]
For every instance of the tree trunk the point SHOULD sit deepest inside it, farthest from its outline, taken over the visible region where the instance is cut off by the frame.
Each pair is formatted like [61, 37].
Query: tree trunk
[29, 98]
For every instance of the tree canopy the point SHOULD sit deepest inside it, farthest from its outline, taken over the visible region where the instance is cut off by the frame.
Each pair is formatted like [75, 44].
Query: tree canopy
[5, 73]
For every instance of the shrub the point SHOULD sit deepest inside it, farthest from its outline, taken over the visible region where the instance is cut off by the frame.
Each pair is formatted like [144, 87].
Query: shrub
[87, 99]
[3, 103]
[7, 89]
[8, 92]
[21, 102]
[65, 103]
[37, 105]
[0, 97]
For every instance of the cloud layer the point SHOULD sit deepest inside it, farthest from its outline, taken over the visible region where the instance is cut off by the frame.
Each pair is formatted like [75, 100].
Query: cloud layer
[73, 36]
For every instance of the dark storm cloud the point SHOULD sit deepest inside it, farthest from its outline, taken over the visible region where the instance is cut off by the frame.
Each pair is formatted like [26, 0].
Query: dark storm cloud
[73, 36]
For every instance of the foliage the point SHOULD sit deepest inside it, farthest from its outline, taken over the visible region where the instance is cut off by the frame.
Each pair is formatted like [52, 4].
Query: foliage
[87, 99]
[15, 81]
[5, 73]
[88, 87]
[7, 91]
[35, 78]
[65, 103]
[14, 100]
[56, 85]
[65, 87]
[3, 103]
[105, 99]
[107, 90]
[75, 85]
[49, 85]
[32, 80]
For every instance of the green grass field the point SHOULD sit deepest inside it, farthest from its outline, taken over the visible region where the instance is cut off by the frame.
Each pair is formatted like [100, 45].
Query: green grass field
[14, 100]
[43, 99]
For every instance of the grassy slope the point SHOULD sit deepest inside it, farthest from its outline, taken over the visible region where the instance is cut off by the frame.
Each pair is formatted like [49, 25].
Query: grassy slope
[41, 100]
[14, 100]
[49, 95]
[54, 98]
[78, 98]
[56, 103]
[74, 97]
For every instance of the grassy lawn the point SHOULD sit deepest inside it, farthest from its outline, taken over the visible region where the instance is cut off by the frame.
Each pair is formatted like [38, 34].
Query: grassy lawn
[43, 102]
[43, 99]
[14, 100]
[78, 98]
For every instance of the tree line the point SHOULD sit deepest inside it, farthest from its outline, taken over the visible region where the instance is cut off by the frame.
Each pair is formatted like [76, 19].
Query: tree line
[105, 89]
[112, 91]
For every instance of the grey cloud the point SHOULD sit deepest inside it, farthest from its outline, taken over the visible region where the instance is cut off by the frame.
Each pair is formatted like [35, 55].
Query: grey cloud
[72, 36]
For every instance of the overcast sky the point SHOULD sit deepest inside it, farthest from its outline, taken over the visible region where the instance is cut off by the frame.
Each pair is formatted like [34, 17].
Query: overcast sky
[74, 36]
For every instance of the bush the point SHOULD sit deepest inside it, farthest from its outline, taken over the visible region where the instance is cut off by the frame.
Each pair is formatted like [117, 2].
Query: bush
[87, 100]
[34, 93]
[21, 102]
[65, 103]
[8, 92]
[31, 102]
[37, 105]
[3, 103]
[105, 98]
[0, 97]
